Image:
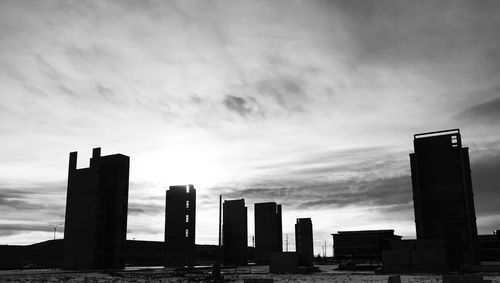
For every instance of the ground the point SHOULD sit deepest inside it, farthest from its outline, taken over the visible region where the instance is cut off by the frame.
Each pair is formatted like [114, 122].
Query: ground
[328, 274]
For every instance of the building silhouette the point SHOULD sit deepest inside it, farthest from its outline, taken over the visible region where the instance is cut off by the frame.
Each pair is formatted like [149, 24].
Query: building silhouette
[180, 225]
[234, 230]
[304, 242]
[268, 231]
[442, 194]
[362, 245]
[490, 247]
[96, 212]
[415, 256]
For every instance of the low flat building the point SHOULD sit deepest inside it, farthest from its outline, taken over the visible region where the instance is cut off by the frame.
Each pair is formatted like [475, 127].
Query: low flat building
[489, 247]
[419, 256]
[283, 262]
[364, 245]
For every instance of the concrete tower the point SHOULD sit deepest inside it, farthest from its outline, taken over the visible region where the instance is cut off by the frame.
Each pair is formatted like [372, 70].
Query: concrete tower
[442, 194]
[95, 226]
[180, 226]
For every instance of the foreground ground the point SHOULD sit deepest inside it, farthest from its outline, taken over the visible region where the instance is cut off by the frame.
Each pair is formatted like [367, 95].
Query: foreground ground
[328, 274]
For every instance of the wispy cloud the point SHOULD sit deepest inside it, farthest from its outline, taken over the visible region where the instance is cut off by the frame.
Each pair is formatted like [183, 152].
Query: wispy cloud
[309, 103]
[484, 113]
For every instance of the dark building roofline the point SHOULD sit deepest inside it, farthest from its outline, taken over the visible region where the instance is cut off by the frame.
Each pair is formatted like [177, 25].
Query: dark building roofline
[436, 133]
[364, 232]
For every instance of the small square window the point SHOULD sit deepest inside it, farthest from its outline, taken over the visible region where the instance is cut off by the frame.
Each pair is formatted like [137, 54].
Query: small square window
[454, 141]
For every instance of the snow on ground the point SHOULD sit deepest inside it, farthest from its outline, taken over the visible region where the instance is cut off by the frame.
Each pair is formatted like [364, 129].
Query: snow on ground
[328, 274]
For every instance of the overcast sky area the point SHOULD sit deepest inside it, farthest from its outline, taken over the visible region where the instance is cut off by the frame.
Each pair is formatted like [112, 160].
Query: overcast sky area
[311, 104]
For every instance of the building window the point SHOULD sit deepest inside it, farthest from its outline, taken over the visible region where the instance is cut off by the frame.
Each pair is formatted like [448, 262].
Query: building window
[187, 189]
[187, 233]
[187, 218]
[454, 141]
[187, 203]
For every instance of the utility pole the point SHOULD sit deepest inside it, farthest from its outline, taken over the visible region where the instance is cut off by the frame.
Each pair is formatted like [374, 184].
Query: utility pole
[220, 227]
[54, 227]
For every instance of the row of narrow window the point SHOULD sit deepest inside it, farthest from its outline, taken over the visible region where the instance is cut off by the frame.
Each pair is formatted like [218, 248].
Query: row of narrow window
[187, 215]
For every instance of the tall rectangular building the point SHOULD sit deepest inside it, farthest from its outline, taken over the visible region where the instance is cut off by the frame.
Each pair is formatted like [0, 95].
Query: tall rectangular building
[95, 226]
[180, 226]
[268, 231]
[442, 194]
[234, 231]
[304, 241]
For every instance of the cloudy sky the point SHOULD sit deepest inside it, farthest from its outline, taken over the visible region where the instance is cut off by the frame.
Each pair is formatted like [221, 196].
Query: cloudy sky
[312, 104]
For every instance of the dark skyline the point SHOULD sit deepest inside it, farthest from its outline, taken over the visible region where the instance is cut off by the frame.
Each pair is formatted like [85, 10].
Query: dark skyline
[311, 104]
[95, 226]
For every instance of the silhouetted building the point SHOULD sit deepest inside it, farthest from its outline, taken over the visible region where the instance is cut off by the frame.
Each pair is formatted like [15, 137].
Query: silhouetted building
[49, 254]
[442, 194]
[96, 212]
[180, 225]
[268, 231]
[234, 232]
[407, 256]
[304, 241]
[283, 262]
[490, 247]
[362, 245]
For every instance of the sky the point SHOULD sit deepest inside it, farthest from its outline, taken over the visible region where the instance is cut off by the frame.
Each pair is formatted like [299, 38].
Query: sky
[311, 104]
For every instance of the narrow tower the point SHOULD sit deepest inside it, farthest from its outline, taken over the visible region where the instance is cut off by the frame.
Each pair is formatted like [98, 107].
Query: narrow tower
[304, 241]
[268, 231]
[235, 232]
[442, 194]
[180, 226]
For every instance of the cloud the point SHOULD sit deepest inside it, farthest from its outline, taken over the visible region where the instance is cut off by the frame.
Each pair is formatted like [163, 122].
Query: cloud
[263, 96]
[407, 32]
[312, 195]
[13, 229]
[14, 201]
[484, 113]
[486, 184]
[147, 208]
[38, 203]
[242, 106]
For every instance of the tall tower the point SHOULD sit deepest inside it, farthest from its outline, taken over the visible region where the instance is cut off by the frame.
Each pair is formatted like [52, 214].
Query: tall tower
[180, 225]
[304, 241]
[95, 226]
[234, 232]
[442, 194]
[268, 231]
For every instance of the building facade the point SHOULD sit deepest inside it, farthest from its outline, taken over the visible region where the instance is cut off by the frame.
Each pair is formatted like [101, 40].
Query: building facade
[365, 245]
[490, 247]
[268, 231]
[234, 231]
[304, 242]
[96, 212]
[180, 225]
[442, 194]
